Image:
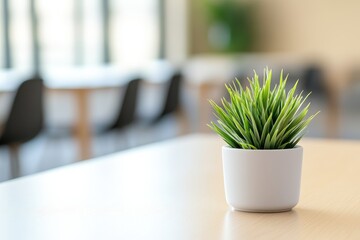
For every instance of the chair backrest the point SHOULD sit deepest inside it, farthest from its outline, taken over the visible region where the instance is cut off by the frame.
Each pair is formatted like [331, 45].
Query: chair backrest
[25, 119]
[172, 100]
[314, 80]
[128, 107]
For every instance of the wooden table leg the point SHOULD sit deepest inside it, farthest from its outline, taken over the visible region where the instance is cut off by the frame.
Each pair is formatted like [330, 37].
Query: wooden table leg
[335, 86]
[83, 131]
[333, 117]
[203, 116]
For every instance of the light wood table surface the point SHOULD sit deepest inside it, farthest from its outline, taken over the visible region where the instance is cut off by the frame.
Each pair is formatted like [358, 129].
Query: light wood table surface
[174, 190]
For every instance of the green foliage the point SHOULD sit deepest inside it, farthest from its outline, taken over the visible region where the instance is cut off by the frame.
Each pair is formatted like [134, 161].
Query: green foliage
[237, 17]
[261, 117]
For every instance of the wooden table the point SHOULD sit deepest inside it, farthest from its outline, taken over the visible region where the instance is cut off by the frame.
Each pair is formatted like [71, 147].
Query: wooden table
[82, 81]
[79, 82]
[209, 72]
[174, 190]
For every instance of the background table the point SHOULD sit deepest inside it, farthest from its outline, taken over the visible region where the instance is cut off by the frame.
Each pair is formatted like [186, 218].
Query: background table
[208, 72]
[82, 81]
[174, 190]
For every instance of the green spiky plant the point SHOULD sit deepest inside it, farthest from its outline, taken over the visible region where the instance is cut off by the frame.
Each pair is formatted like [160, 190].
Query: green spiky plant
[261, 117]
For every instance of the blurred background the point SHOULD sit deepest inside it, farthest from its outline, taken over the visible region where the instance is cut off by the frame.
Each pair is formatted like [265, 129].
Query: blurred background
[84, 78]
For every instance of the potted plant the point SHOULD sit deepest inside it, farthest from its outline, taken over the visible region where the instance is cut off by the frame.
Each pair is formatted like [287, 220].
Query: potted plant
[262, 125]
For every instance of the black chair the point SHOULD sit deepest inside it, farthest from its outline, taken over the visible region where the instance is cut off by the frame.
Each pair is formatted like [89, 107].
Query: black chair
[125, 118]
[152, 129]
[172, 97]
[127, 112]
[25, 120]
[314, 81]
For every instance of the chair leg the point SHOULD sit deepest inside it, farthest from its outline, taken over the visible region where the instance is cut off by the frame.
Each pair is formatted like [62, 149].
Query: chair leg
[14, 160]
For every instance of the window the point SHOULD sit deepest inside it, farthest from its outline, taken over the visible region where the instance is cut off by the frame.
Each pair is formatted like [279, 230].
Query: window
[56, 32]
[92, 38]
[2, 44]
[20, 34]
[71, 32]
[134, 31]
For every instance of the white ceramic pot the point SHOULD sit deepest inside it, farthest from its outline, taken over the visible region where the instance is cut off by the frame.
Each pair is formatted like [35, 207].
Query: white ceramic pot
[262, 180]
